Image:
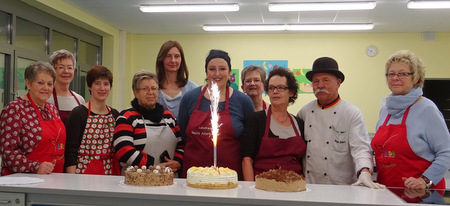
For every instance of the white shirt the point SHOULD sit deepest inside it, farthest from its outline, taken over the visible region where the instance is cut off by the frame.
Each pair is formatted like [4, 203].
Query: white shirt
[67, 103]
[338, 144]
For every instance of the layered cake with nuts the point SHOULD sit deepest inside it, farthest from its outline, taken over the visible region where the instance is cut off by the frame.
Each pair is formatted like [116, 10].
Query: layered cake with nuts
[280, 180]
[211, 178]
[151, 176]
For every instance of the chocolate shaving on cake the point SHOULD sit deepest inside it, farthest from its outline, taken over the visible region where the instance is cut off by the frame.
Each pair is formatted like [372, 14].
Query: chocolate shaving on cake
[281, 175]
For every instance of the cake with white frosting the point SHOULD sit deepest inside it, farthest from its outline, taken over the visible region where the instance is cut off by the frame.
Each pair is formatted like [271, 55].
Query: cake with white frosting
[212, 178]
[280, 180]
[151, 176]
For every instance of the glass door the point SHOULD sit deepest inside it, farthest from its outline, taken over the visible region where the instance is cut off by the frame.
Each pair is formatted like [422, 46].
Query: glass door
[23, 58]
[3, 78]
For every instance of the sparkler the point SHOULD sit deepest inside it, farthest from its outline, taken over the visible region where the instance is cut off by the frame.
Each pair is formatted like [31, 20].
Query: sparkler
[214, 95]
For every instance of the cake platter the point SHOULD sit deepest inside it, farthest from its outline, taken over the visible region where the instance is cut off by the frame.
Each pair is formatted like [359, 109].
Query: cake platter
[252, 187]
[186, 186]
[122, 183]
[5, 180]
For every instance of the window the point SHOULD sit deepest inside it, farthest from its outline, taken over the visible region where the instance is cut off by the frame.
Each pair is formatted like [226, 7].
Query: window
[5, 27]
[31, 36]
[62, 41]
[28, 34]
[2, 80]
[438, 90]
[87, 58]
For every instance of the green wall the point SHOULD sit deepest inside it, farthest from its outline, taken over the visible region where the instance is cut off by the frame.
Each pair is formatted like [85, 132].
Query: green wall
[364, 85]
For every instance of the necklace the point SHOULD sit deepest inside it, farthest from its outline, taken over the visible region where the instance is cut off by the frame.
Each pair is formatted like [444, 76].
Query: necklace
[282, 121]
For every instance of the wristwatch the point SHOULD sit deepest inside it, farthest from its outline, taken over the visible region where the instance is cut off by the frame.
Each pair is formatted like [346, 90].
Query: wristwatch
[359, 172]
[428, 182]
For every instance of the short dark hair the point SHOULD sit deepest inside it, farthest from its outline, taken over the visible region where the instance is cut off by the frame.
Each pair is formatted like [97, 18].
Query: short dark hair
[290, 80]
[215, 53]
[98, 72]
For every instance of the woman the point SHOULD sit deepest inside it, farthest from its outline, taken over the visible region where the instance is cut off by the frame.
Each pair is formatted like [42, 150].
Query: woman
[412, 143]
[194, 118]
[63, 98]
[32, 136]
[173, 76]
[276, 141]
[90, 128]
[147, 134]
[253, 78]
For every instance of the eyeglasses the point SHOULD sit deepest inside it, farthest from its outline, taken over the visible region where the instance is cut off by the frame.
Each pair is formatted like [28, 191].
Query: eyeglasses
[249, 81]
[400, 75]
[65, 68]
[279, 88]
[147, 89]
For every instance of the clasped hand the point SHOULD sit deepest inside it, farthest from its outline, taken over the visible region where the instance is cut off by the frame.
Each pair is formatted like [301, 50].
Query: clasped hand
[174, 165]
[414, 183]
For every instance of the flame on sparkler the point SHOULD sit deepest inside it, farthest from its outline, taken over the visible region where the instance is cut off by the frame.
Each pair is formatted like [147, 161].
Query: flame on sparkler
[214, 95]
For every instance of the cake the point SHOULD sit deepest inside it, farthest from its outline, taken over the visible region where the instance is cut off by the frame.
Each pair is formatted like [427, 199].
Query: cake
[211, 178]
[151, 176]
[280, 180]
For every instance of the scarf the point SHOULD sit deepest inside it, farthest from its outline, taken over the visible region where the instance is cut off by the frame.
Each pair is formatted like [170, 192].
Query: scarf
[397, 104]
[154, 115]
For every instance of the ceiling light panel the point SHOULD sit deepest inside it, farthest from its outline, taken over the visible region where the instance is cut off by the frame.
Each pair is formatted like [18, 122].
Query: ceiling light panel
[428, 5]
[245, 27]
[159, 8]
[321, 6]
[289, 27]
[329, 27]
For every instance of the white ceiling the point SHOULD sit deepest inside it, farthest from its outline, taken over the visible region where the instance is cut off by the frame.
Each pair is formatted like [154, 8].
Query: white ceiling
[388, 16]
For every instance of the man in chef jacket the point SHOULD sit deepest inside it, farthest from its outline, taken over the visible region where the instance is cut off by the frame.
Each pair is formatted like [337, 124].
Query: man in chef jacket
[338, 144]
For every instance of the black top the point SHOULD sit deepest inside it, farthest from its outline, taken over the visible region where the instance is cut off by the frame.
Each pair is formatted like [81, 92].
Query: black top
[254, 132]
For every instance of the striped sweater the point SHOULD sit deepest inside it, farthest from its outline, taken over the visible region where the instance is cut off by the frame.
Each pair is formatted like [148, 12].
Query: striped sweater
[129, 137]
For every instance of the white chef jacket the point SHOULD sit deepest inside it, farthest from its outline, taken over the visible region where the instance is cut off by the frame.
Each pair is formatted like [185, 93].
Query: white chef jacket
[338, 144]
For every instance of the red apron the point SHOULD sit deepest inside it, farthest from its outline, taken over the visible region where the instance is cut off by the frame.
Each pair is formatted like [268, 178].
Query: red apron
[276, 152]
[51, 146]
[95, 152]
[395, 158]
[63, 114]
[199, 146]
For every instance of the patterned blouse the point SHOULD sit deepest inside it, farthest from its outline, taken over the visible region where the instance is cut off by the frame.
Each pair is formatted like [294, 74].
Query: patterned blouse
[20, 133]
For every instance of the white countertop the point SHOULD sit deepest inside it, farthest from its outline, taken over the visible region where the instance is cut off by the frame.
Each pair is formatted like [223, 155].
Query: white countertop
[79, 188]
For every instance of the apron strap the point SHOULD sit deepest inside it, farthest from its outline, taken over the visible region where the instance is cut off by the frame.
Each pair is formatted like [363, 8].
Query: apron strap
[227, 99]
[200, 97]
[89, 108]
[55, 97]
[227, 93]
[37, 110]
[403, 119]
[266, 130]
[269, 112]
[405, 115]
[293, 125]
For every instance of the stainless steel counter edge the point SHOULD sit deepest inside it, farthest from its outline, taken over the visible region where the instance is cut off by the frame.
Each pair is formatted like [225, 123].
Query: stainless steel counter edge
[110, 190]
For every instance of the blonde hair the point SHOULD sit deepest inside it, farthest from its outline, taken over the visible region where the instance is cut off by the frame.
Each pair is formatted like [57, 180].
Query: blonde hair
[413, 61]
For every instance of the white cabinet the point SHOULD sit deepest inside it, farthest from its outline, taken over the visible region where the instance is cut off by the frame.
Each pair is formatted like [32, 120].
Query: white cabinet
[12, 199]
